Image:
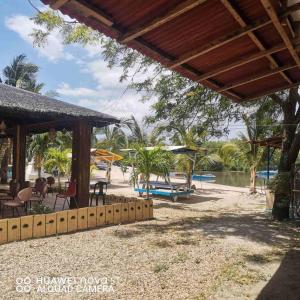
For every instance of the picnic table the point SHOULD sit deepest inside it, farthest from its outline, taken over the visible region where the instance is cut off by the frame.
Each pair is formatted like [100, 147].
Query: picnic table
[172, 190]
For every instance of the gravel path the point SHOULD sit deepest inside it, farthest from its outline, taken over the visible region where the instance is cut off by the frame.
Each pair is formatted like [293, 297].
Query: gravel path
[206, 247]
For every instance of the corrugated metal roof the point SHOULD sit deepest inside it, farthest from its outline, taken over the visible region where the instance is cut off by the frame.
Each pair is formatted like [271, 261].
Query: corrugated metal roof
[202, 36]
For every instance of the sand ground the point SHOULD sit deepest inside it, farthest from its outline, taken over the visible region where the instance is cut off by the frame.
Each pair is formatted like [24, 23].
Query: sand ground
[218, 244]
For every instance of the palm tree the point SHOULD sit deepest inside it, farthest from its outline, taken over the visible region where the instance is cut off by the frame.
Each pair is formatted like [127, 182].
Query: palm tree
[138, 135]
[37, 150]
[113, 140]
[58, 160]
[191, 137]
[259, 125]
[147, 162]
[21, 74]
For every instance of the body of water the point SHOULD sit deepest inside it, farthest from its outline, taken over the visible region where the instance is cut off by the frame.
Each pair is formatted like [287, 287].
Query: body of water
[238, 179]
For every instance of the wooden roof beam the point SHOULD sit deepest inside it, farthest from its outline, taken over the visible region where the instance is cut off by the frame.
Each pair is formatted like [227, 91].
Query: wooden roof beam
[276, 21]
[244, 60]
[256, 77]
[58, 4]
[218, 43]
[88, 9]
[236, 15]
[227, 38]
[175, 12]
[272, 91]
[91, 11]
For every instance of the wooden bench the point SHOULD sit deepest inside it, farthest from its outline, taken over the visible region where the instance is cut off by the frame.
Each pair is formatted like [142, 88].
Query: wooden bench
[173, 194]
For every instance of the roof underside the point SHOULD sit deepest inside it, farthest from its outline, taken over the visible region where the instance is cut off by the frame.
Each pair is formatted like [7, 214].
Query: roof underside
[18, 106]
[242, 49]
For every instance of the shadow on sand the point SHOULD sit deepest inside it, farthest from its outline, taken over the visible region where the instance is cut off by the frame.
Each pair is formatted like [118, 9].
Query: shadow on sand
[254, 227]
[285, 283]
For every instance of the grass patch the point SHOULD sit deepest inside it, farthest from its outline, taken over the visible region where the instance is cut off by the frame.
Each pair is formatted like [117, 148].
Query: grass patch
[162, 244]
[180, 258]
[240, 274]
[186, 241]
[125, 234]
[263, 258]
[160, 267]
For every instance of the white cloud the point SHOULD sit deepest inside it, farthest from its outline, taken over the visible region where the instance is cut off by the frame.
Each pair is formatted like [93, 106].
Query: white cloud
[104, 76]
[23, 26]
[66, 90]
[122, 107]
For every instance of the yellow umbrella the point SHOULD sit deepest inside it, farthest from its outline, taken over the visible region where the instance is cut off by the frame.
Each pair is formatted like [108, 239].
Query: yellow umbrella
[105, 155]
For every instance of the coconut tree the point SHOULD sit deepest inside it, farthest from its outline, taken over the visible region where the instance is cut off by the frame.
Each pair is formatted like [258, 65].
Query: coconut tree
[37, 150]
[21, 74]
[259, 125]
[58, 160]
[113, 138]
[147, 162]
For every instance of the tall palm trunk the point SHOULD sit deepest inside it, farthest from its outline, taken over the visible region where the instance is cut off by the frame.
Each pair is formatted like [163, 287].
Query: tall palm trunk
[6, 146]
[253, 179]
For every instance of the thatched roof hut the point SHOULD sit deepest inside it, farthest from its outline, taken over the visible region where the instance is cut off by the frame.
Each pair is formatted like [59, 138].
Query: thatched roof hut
[18, 106]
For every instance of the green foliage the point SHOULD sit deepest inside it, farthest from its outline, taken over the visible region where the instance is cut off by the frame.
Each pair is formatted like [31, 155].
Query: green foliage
[182, 104]
[58, 160]
[37, 150]
[279, 183]
[22, 74]
[40, 208]
[147, 162]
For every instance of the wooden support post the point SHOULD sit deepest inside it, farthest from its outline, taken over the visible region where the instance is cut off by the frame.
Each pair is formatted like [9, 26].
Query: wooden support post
[19, 154]
[81, 162]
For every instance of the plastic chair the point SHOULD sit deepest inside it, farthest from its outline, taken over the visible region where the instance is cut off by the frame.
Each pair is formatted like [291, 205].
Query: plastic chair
[98, 192]
[67, 195]
[50, 182]
[21, 200]
[40, 193]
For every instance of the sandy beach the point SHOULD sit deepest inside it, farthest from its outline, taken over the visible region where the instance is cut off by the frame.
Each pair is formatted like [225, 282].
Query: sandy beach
[218, 244]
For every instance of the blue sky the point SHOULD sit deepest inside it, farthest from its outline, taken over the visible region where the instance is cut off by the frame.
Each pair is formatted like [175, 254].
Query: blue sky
[78, 74]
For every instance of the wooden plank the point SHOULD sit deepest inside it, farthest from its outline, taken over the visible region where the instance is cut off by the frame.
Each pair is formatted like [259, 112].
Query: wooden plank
[244, 60]
[218, 43]
[13, 230]
[175, 12]
[235, 14]
[92, 217]
[39, 226]
[125, 213]
[275, 19]
[117, 213]
[226, 39]
[100, 215]
[91, 11]
[3, 231]
[50, 224]
[58, 4]
[109, 214]
[82, 218]
[72, 220]
[146, 209]
[270, 92]
[131, 211]
[150, 209]
[257, 77]
[26, 227]
[138, 211]
[62, 222]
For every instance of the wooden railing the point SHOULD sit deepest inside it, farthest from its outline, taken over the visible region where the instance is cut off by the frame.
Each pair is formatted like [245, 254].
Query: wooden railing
[36, 226]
